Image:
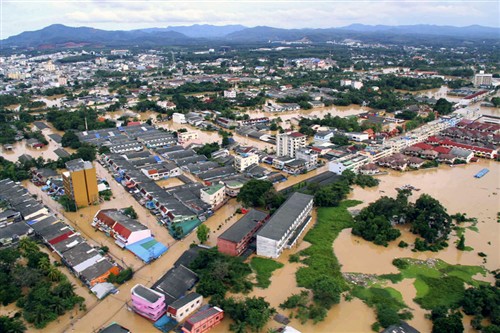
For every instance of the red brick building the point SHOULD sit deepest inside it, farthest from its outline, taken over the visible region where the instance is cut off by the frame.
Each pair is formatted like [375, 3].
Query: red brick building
[234, 241]
[203, 321]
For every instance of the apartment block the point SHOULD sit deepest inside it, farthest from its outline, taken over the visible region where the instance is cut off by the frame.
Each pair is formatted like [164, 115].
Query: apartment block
[243, 161]
[287, 144]
[148, 302]
[80, 182]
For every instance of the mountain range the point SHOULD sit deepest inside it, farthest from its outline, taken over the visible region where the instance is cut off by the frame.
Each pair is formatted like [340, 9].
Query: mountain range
[59, 35]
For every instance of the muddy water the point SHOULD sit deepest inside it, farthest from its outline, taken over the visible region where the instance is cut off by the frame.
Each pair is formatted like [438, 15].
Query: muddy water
[458, 191]
[170, 182]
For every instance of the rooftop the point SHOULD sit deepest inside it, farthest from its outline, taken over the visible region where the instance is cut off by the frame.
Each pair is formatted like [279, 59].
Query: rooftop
[184, 300]
[148, 294]
[78, 164]
[284, 217]
[211, 190]
[243, 226]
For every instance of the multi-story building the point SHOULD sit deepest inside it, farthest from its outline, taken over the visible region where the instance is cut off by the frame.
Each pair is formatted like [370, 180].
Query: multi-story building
[148, 302]
[482, 79]
[234, 241]
[285, 226]
[203, 321]
[213, 195]
[243, 161]
[183, 137]
[80, 182]
[183, 307]
[125, 230]
[179, 118]
[287, 144]
[309, 156]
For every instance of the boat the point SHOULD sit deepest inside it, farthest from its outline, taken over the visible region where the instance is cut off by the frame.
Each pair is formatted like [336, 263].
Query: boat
[482, 173]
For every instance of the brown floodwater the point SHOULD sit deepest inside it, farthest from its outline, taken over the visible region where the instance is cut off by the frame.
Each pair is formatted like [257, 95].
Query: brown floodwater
[458, 191]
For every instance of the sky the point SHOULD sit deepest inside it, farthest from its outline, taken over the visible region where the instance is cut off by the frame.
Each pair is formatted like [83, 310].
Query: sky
[27, 15]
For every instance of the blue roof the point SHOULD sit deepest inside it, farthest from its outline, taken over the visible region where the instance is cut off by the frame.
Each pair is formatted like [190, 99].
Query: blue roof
[157, 158]
[97, 135]
[147, 249]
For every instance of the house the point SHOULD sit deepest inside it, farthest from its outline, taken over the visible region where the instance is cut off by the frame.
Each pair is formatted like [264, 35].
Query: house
[357, 136]
[125, 230]
[233, 187]
[12, 233]
[235, 240]
[310, 157]
[429, 154]
[243, 161]
[280, 162]
[213, 195]
[184, 137]
[203, 321]
[369, 169]
[98, 272]
[184, 306]
[114, 328]
[462, 154]
[323, 136]
[285, 226]
[34, 143]
[415, 162]
[148, 302]
[42, 175]
[179, 118]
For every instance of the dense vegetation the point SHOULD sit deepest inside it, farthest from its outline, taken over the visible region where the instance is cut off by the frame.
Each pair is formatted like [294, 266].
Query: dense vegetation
[77, 120]
[427, 217]
[260, 193]
[264, 268]
[40, 289]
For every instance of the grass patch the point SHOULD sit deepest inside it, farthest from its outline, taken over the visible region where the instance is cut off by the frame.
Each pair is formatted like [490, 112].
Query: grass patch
[264, 268]
[319, 257]
[437, 282]
[388, 303]
[444, 291]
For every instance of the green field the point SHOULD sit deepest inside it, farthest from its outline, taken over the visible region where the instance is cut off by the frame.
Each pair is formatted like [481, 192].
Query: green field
[264, 268]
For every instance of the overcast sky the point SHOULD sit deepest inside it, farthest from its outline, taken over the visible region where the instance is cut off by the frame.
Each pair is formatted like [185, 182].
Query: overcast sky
[25, 15]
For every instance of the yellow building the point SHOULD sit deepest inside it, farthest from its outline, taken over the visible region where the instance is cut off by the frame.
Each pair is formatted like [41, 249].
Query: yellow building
[80, 182]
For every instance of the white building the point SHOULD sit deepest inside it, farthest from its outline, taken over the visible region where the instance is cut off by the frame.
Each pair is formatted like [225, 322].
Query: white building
[482, 79]
[287, 144]
[357, 136]
[309, 156]
[350, 162]
[184, 306]
[179, 118]
[230, 93]
[242, 162]
[184, 137]
[213, 195]
[285, 226]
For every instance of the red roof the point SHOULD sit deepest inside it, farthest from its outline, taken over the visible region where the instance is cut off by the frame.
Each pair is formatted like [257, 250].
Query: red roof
[442, 150]
[296, 134]
[133, 123]
[423, 146]
[124, 232]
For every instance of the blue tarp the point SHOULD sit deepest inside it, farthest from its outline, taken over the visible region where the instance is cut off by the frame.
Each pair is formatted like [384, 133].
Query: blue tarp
[157, 158]
[97, 135]
[165, 323]
[147, 249]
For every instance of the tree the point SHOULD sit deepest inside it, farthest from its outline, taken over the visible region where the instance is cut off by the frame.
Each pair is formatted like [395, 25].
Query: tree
[461, 243]
[443, 107]
[203, 233]
[130, 212]
[11, 325]
[430, 220]
[70, 139]
[253, 313]
[444, 322]
[340, 140]
[252, 193]
[86, 152]
[326, 292]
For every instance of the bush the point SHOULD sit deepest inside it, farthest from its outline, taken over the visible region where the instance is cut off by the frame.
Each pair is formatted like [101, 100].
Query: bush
[401, 263]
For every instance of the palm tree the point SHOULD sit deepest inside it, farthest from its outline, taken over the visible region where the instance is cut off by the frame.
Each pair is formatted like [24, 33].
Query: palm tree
[44, 264]
[53, 274]
[27, 245]
[65, 289]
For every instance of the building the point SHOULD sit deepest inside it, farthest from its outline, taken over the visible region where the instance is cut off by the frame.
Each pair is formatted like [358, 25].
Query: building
[482, 79]
[213, 195]
[229, 93]
[235, 240]
[125, 230]
[309, 156]
[287, 144]
[243, 161]
[80, 182]
[114, 328]
[148, 302]
[233, 187]
[183, 307]
[183, 137]
[285, 226]
[179, 118]
[203, 321]
[349, 162]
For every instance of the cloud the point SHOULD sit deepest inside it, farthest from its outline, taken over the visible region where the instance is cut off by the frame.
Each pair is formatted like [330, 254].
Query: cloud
[18, 17]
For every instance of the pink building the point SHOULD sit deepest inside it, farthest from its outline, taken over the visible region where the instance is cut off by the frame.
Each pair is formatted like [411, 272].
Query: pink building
[147, 302]
[203, 321]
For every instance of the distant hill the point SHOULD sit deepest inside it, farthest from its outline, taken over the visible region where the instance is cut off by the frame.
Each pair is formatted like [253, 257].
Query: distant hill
[59, 35]
[201, 30]
[428, 29]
